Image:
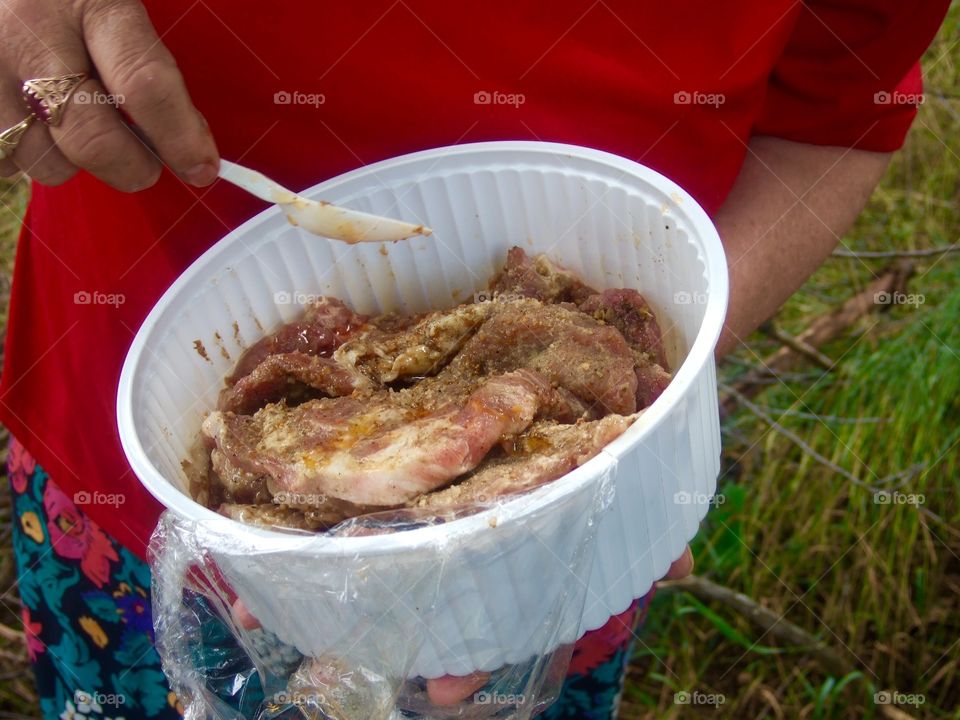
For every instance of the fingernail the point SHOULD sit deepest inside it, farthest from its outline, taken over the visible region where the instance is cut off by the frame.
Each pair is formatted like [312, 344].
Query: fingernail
[201, 175]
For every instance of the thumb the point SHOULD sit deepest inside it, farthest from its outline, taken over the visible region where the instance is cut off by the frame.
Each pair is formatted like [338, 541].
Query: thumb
[242, 616]
[450, 689]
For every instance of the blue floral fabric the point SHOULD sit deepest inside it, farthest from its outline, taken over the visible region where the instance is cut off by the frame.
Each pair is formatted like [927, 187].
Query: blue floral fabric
[85, 604]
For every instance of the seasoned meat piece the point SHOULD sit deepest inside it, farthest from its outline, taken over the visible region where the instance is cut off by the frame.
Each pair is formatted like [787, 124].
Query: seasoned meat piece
[391, 350]
[544, 452]
[584, 356]
[292, 376]
[322, 329]
[375, 451]
[629, 313]
[452, 388]
[538, 278]
[651, 381]
[338, 415]
[237, 485]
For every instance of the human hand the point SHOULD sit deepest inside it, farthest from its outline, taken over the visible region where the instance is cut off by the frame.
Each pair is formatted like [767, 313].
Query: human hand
[681, 567]
[114, 42]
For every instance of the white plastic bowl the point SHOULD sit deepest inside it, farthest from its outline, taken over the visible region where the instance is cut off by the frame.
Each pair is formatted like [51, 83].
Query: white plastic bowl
[616, 223]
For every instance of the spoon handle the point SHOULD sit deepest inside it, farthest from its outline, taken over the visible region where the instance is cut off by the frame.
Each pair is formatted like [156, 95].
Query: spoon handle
[255, 183]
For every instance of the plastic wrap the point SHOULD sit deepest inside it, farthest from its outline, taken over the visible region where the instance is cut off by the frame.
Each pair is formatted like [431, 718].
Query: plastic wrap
[371, 617]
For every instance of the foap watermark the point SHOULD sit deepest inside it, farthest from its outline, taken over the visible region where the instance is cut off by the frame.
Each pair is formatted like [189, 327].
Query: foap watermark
[96, 701]
[895, 697]
[296, 97]
[85, 97]
[899, 298]
[686, 697]
[885, 497]
[295, 298]
[695, 97]
[293, 498]
[484, 697]
[490, 296]
[292, 697]
[495, 97]
[898, 98]
[698, 498]
[682, 297]
[84, 497]
[84, 297]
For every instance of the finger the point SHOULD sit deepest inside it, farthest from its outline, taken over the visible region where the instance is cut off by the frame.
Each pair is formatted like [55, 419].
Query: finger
[242, 616]
[133, 63]
[93, 136]
[36, 154]
[450, 689]
[681, 567]
[91, 133]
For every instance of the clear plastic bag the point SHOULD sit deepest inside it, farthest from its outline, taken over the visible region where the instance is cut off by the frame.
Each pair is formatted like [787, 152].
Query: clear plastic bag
[370, 621]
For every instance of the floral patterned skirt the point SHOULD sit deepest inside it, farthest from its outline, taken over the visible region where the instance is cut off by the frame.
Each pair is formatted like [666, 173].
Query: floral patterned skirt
[89, 630]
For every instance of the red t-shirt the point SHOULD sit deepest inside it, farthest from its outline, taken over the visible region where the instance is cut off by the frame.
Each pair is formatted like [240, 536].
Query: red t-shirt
[680, 87]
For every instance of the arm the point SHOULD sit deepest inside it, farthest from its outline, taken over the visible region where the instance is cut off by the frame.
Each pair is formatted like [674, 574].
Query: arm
[786, 212]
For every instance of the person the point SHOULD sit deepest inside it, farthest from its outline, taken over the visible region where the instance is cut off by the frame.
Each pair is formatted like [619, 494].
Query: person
[779, 117]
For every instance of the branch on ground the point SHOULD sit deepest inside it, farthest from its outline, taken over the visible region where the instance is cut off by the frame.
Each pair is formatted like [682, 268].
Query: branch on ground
[822, 330]
[874, 254]
[798, 346]
[765, 619]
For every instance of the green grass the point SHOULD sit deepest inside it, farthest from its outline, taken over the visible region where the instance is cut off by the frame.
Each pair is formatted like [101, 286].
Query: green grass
[16, 689]
[879, 582]
[13, 202]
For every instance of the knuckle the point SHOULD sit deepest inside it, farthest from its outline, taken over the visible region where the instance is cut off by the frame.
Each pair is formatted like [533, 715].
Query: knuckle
[103, 149]
[95, 10]
[35, 58]
[92, 142]
[149, 85]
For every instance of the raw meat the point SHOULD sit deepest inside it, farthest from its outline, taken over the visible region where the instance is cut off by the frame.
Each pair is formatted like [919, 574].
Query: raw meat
[545, 452]
[538, 278]
[585, 357]
[322, 329]
[416, 349]
[375, 451]
[339, 415]
[292, 376]
[628, 312]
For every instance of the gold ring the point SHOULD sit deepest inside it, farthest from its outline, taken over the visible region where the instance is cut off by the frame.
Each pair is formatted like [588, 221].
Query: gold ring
[10, 138]
[46, 97]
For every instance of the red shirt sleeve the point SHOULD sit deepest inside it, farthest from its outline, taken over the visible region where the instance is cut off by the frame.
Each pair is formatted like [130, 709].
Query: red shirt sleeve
[849, 74]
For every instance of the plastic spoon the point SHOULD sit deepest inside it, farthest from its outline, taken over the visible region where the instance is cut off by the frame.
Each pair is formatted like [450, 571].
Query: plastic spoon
[318, 217]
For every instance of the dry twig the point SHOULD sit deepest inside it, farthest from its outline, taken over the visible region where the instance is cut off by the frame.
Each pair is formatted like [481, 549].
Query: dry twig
[874, 254]
[822, 330]
[798, 346]
[765, 619]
